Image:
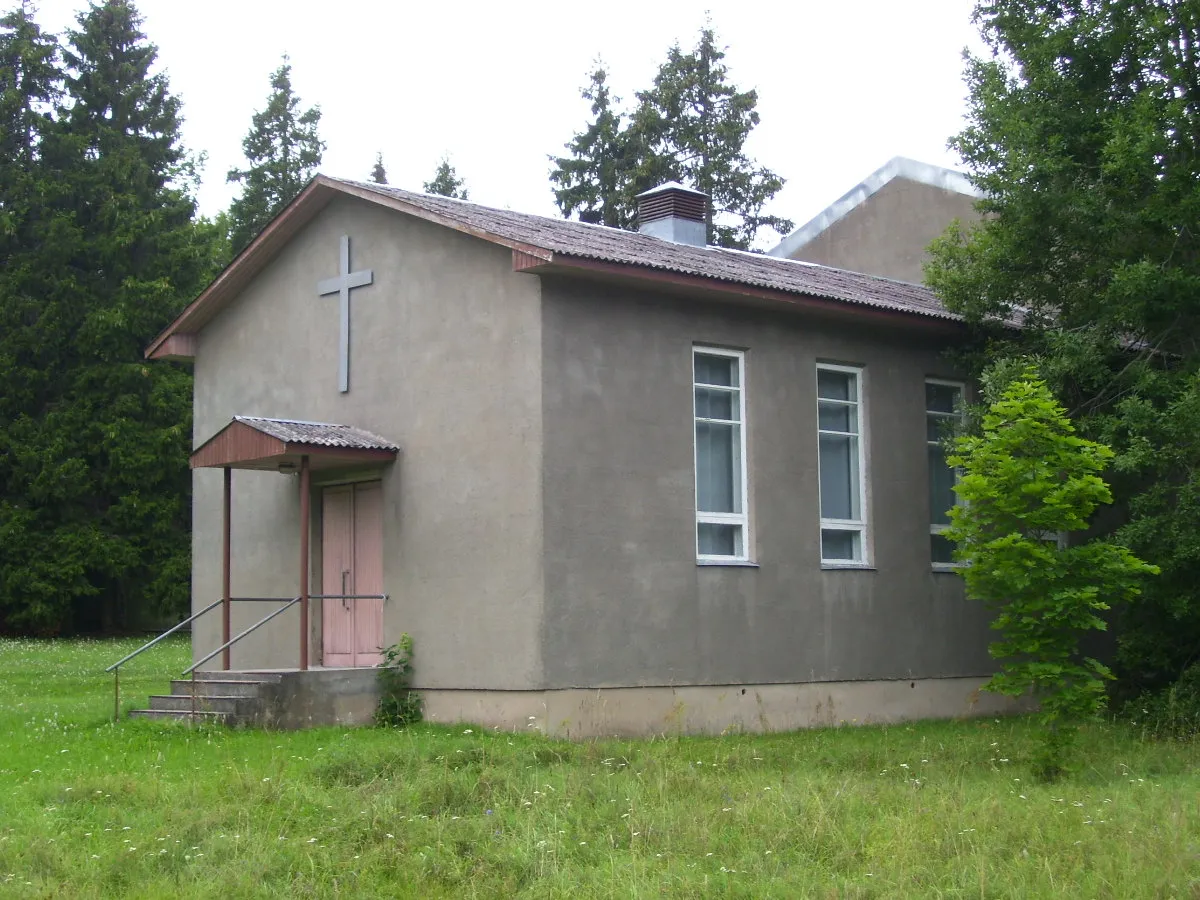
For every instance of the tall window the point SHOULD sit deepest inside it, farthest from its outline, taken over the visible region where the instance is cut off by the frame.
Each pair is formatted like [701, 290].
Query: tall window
[943, 412]
[720, 411]
[839, 428]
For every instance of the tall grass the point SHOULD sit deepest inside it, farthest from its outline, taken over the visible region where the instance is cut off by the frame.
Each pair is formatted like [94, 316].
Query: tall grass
[89, 808]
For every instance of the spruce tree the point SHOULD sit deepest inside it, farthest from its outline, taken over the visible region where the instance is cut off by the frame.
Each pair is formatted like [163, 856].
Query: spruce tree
[283, 150]
[692, 127]
[94, 509]
[378, 172]
[446, 183]
[591, 181]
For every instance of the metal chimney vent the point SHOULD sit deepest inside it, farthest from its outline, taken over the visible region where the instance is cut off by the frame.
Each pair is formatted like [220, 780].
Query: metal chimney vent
[674, 213]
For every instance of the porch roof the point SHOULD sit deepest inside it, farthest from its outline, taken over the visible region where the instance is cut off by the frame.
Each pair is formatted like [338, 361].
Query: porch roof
[254, 442]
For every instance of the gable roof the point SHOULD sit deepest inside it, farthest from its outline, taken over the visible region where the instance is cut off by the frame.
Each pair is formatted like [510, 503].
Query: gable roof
[541, 244]
[896, 167]
[254, 442]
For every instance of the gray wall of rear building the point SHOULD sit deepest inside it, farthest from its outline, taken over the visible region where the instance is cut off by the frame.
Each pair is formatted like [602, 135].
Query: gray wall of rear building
[626, 603]
[445, 362]
[890, 232]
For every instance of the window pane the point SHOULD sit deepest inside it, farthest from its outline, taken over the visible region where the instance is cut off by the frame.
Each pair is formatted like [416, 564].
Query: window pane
[840, 545]
[716, 370]
[839, 477]
[837, 417]
[718, 540]
[942, 397]
[718, 468]
[938, 427]
[941, 550]
[941, 487]
[712, 404]
[837, 385]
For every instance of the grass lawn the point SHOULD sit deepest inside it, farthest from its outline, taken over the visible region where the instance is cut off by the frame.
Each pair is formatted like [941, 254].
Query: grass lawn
[93, 809]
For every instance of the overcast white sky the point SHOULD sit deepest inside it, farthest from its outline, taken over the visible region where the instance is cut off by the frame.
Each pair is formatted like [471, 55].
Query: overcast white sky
[843, 86]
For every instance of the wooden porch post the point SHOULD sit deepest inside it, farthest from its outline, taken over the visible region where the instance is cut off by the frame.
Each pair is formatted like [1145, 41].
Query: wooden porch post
[226, 593]
[304, 527]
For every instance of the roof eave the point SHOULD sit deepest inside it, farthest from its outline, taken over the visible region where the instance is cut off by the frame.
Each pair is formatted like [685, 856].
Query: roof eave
[565, 264]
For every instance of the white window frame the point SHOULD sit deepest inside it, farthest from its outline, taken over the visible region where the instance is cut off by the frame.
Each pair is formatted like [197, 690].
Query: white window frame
[742, 519]
[859, 525]
[937, 528]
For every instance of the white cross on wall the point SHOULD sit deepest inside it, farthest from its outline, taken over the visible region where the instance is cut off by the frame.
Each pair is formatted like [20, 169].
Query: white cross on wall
[342, 285]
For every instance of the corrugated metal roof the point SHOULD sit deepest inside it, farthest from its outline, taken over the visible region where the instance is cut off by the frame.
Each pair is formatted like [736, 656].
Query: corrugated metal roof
[318, 434]
[612, 245]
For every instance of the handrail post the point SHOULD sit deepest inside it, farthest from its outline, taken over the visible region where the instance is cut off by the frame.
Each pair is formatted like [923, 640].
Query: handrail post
[226, 593]
[305, 482]
[117, 694]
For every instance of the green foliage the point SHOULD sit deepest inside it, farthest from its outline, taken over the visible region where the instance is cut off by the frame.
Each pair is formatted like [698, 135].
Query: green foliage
[1170, 713]
[1026, 479]
[100, 250]
[917, 810]
[591, 182]
[378, 172]
[283, 150]
[1084, 135]
[399, 704]
[446, 182]
[690, 126]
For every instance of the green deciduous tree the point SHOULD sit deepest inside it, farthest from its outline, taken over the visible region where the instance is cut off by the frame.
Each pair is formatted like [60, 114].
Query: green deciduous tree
[690, 126]
[1084, 134]
[1028, 478]
[283, 150]
[446, 183]
[94, 508]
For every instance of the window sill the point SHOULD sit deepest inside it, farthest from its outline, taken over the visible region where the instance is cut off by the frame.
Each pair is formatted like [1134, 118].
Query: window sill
[735, 563]
[852, 566]
[947, 568]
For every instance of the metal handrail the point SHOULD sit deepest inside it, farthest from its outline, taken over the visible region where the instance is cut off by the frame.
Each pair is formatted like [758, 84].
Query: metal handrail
[115, 668]
[229, 643]
[171, 630]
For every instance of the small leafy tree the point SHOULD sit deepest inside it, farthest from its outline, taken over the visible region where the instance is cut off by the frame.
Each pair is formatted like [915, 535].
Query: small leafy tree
[1026, 479]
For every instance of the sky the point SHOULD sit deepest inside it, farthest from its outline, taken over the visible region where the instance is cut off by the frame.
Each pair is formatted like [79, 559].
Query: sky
[843, 87]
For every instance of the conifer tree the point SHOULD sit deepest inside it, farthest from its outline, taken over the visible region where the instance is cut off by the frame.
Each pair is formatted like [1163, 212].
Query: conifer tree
[446, 183]
[591, 181]
[283, 150]
[378, 172]
[690, 126]
[94, 509]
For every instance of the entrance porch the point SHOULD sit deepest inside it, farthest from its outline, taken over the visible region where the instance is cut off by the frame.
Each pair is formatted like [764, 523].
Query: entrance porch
[333, 632]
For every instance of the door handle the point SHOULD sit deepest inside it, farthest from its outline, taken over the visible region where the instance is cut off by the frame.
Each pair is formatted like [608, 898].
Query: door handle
[345, 574]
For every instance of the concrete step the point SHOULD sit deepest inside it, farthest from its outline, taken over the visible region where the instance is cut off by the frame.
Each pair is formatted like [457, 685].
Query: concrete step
[221, 675]
[210, 687]
[205, 703]
[167, 715]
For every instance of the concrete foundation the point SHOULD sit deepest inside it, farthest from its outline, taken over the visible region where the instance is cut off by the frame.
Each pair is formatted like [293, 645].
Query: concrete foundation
[320, 697]
[708, 709]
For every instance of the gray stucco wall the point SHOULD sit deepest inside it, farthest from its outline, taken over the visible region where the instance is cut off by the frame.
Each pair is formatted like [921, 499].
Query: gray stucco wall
[446, 362]
[889, 232]
[626, 603]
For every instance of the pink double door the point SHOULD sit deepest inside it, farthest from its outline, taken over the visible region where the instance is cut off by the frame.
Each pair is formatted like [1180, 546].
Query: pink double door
[352, 563]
